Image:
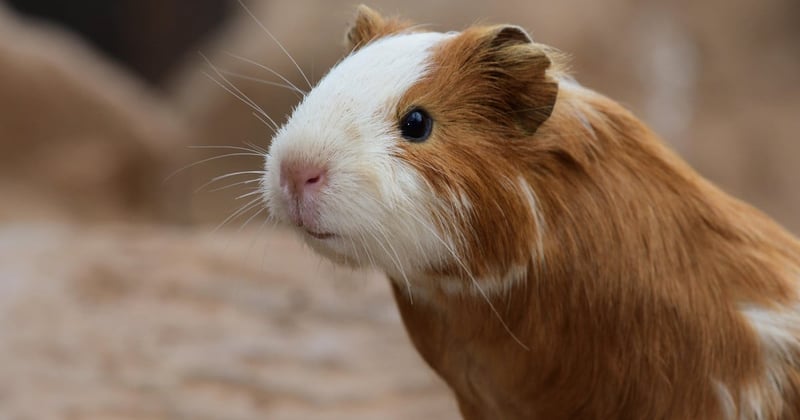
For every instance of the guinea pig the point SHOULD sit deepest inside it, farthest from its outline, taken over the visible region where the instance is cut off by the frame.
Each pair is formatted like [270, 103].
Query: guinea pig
[551, 258]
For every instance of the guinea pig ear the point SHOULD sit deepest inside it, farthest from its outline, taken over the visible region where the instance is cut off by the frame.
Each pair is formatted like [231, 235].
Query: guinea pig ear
[370, 25]
[518, 69]
[509, 35]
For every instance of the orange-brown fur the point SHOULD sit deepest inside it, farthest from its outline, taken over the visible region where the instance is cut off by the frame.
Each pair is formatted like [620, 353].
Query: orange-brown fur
[370, 25]
[631, 307]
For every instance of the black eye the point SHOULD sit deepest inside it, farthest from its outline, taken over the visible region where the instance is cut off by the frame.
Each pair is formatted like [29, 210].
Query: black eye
[416, 125]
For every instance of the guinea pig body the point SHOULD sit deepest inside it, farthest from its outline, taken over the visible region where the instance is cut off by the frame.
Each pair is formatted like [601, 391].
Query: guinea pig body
[549, 256]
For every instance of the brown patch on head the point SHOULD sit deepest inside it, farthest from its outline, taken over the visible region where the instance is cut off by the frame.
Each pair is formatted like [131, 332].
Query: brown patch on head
[369, 25]
[488, 92]
[494, 76]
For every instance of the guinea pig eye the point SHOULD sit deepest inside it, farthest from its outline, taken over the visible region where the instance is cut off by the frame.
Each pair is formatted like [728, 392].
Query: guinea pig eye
[416, 125]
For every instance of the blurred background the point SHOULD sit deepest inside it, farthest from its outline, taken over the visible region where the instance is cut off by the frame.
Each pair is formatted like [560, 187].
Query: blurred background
[122, 297]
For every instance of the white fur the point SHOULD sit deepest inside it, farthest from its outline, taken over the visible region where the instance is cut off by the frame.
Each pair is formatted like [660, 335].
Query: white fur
[504, 283]
[566, 82]
[580, 109]
[501, 284]
[530, 197]
[778, 330]
[379, 207]
[726, 400]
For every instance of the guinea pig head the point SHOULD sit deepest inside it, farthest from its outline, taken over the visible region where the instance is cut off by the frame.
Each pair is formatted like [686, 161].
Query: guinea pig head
[406, 155]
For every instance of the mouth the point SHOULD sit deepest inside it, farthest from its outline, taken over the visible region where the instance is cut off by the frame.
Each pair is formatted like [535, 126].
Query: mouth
[319, 235]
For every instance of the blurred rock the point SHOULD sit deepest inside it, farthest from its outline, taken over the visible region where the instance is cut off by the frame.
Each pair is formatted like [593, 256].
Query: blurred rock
[79, 138]
[158, 323]
[139, 34]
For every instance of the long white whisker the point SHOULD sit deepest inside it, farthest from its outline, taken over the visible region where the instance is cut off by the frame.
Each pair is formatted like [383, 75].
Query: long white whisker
[406, 224]
[399, 264]
[472, 278]
[257, 234]
[262, 81]
[249, 181]
[256, 148]
[207, 160]
[242, 96]
[252, 15]
[244, 149]
[268, 69]
[251, 207]
[245, 208]
[366, 250]
[352, 244]
[395, 258]
[250, 218]
[220, 177]
[245, 101]
[266, 221]
[251, 193]
[263, 121]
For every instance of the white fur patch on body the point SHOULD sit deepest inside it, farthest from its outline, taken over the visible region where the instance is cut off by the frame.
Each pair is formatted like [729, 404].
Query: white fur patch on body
[495, 285]
[580, 109]
[375, 203]
[778, 331]
[504, 283]
[530, 197]
[726, 401]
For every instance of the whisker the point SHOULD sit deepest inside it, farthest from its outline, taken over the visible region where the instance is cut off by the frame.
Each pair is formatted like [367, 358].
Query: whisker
[352, 244]
[252, 15]
[245, 101]
[220, 177]
[472, 278]
[207, 160]
[399, 264]
[249, 181]
[265, 68]
[254, 238]
[242, 96]
[366, 250]
[253, 150]
[256, 148]
[266, 221]
[243, 209]
[250, 219]
[239, 230]
[382, 205]
[263, 121]
[363, 245]
[251, 193]
[262, 81]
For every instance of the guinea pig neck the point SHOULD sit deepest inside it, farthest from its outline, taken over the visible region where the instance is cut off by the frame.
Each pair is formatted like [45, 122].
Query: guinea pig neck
[635, 310]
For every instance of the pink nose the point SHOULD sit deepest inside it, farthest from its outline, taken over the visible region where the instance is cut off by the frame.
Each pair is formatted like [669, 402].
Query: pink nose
[302, 180]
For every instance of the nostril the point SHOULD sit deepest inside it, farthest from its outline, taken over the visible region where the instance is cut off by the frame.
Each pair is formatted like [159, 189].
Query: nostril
[313, 180]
